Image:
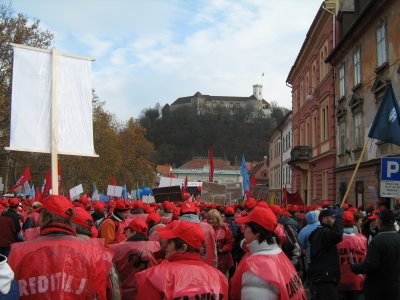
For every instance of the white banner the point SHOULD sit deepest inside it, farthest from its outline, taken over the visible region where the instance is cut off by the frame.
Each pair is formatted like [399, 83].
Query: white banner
[114, 190]
[31, 103]
[75, 192]
[167, 181]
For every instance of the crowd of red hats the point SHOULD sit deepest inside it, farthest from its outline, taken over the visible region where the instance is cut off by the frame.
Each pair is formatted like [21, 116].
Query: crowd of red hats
[158, 221]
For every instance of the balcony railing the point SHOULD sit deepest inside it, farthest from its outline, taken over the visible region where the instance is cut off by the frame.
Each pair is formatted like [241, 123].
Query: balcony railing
[300, 154]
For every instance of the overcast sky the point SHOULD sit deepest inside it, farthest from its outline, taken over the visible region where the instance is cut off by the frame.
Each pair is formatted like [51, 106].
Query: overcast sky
[153, 51]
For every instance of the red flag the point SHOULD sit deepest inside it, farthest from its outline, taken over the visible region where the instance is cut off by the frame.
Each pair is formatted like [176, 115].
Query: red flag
[185, 185]
[211, 163]
[26, 175]
[38, 194]
[48, 181]
[112, 181]
[253, 181]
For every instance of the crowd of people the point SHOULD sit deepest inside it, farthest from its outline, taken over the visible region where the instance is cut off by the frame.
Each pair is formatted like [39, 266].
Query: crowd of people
[84, 249]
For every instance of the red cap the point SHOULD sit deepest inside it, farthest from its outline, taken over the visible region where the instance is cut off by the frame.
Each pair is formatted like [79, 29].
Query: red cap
[374, 215]
[58, 205]
[262, 216]
[139, 226]
[276, 209]
[84, 199]
[345, 206]
[168, 205]
[229, 210]
[262, 203]
[250, 203]
[82, 217]
[155, 217]
[13, 202]
[137, 204]
[190, 233]
[188, 207]
[121, 205]
[348, 218]
[99, 206]
[326, 203]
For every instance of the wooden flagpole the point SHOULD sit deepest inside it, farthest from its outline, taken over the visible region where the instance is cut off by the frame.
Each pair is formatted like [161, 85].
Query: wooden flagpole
[355, 171]
[54, 123]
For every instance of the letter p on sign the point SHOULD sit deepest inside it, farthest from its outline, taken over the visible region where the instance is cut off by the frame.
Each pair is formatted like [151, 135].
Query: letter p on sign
[393, 167]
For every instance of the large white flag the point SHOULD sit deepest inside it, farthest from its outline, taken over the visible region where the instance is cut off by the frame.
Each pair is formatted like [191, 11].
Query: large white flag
[31, 103]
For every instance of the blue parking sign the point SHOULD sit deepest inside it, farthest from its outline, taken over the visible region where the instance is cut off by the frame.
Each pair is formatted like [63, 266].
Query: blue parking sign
[390, 168]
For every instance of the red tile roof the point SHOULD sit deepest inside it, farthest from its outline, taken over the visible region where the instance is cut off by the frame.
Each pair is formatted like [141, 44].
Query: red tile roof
[164, 169]
[199, 163]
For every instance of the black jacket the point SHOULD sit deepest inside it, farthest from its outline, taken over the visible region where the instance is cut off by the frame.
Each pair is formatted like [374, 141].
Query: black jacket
[324, 255]
[382, 266]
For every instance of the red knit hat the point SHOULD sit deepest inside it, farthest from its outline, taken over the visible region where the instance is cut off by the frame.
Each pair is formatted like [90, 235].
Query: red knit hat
[190, 233]
[262, 216]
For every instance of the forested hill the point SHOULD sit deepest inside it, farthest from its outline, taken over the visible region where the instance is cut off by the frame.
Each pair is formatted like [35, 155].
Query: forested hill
[181, 134]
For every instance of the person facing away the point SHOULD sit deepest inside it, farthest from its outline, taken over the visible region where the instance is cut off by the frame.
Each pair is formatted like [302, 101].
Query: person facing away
[133, 256]
[264, 272]
[324, 271]
[182, 275]
[58, 265]
[382, 264]
[352, 248]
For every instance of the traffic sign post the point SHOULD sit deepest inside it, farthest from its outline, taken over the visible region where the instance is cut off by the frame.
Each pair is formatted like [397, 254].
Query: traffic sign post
[390, 177]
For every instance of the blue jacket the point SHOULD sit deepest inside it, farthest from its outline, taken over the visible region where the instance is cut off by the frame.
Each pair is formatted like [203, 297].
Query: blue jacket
[312, 224]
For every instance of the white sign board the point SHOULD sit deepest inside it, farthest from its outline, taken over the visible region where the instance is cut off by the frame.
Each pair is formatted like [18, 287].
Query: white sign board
[31, 103]
[390, 189]
[75, 192]
[148, 199]
[167, 181]
[114, 190]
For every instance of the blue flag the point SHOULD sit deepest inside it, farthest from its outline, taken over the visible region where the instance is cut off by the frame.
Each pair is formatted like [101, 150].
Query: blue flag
[386, 125]
[124, 192]
[245, 175]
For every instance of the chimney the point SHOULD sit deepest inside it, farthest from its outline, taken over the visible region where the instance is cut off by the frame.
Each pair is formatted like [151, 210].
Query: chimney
[257, 91]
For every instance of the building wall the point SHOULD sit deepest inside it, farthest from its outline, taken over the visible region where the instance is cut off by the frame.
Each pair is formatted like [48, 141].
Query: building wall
[365, 98]
[313, 120]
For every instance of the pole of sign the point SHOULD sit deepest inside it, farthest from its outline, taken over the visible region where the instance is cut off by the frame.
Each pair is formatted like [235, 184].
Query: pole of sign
[355, 171]
[54, 122]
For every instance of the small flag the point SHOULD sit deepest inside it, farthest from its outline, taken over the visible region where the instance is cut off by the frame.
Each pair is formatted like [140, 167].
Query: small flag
[245, 175]
[124, 192]
[211, 163]
[26, 175]
[112, 181]
[95, 193]
[386, 124]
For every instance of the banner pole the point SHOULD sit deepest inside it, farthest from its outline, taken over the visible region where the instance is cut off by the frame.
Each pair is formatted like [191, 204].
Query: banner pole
[54, 123]
[355, 171]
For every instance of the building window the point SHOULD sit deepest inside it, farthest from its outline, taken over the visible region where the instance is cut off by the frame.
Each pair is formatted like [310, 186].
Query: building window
[324, 123]
[357, 130]
[342, 90]
[315, 132]
[342, 138]
[381, 44]
[357, 66]
[324, 185]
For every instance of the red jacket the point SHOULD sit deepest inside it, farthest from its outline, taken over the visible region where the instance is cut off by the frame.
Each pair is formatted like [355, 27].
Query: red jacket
[352, 249]
[60, 267]
[183, 276]
[224, 243]
[131, 258]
